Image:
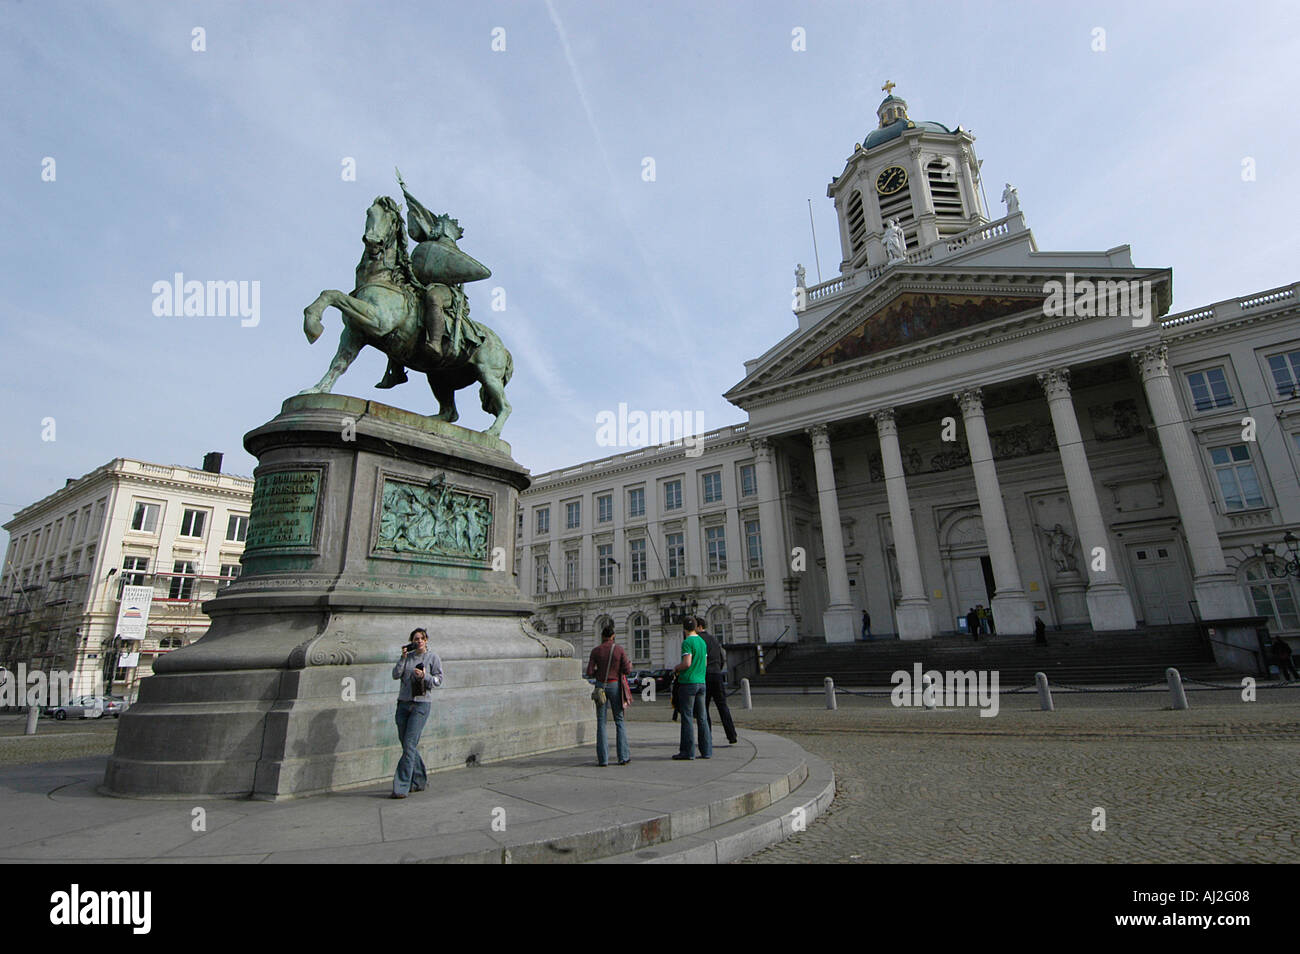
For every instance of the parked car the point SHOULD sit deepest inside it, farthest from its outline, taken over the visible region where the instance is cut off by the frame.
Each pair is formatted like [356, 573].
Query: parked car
[82, 707]
[663, 679]
[115, 705]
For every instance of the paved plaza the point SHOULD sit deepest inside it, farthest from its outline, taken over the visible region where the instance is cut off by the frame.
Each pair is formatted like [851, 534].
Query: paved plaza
[1215, 783]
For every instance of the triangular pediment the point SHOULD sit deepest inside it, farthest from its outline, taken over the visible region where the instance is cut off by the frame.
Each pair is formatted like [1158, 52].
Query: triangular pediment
[913, 317]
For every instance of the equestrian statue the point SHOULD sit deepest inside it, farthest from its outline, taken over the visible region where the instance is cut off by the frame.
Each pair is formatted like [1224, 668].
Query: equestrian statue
[412, 307]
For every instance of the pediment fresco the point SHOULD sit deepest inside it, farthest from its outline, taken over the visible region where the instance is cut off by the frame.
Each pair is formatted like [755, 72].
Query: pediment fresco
[914, 317]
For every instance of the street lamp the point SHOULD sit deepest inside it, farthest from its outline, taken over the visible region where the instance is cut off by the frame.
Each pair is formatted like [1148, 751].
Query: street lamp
[1279, 567]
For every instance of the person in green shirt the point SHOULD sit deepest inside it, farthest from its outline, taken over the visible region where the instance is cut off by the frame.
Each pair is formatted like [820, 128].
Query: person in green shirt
[691, 690]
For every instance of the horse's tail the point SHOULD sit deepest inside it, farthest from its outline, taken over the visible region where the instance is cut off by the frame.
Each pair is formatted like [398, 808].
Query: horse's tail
[510, 367]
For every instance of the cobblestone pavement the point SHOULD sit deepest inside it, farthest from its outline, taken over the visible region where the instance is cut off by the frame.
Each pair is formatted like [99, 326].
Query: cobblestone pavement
[1215, 783]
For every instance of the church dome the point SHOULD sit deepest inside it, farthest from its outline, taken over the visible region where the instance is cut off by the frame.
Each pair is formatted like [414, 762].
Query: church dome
[895, 129]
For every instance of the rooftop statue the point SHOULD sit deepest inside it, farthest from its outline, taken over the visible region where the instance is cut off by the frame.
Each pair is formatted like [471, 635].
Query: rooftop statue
[895, 243]
[411, 305]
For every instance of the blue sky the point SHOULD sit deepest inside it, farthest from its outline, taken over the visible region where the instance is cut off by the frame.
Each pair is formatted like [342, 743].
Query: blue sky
[226, 164]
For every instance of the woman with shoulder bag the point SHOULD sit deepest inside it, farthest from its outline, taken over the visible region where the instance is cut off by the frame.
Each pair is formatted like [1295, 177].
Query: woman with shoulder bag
[610, 663]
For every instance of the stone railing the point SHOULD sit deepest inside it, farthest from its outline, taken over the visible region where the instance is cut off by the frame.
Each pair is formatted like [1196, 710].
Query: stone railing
[927, 254]
[1234, 307]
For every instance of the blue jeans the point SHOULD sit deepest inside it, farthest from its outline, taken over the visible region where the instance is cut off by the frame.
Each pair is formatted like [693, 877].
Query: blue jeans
[411, 717]
[613, 700]
[692, 707]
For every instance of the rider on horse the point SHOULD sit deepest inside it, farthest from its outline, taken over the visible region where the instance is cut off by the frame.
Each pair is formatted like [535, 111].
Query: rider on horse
[442, 268]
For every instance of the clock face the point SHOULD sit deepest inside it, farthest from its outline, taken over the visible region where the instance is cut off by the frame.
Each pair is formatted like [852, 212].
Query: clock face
[891, 180]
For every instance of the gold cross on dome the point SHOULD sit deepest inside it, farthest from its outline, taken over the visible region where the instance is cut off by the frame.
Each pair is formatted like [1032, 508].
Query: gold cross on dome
[889, 87]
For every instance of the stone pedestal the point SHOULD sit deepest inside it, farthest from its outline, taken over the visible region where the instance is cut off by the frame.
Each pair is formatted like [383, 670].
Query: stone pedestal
[841, 625]
[914, 619]
[1071, 598]
[367, 522]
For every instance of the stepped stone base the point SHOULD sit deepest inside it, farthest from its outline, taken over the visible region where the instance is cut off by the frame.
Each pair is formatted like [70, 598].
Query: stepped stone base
[291, 692]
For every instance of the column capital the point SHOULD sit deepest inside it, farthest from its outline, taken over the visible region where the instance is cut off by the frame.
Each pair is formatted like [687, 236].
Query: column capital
[971, 400]
[821, 437]
[1055, 383]
[1152, 361]
[885, 423]
[762, 448]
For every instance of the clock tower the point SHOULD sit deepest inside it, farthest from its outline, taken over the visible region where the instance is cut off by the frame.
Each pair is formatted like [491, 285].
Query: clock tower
[923, 174]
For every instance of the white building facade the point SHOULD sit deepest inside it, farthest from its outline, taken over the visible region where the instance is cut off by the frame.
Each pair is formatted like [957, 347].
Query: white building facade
[176, 529]
[641, 536]
[960, 419]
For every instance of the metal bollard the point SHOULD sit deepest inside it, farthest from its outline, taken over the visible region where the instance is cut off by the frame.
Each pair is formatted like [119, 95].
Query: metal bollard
[1176, 693]
[830, 693]
[1044, 692]
[33, 713]
[744, 694]
[927, 691]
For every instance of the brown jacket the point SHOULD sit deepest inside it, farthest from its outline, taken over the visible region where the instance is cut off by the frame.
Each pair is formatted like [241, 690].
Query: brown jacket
[619, 666]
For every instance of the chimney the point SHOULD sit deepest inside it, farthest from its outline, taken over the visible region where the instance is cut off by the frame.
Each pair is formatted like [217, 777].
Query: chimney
[212, 462]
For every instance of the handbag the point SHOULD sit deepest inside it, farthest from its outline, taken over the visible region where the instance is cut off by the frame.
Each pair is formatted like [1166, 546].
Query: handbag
[598, 691]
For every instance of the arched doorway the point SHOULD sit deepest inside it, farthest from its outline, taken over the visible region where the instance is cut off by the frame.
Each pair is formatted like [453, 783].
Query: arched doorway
[966, 565]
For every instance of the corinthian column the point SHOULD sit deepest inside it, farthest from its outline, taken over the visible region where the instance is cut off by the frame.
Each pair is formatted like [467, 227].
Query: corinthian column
[777, 616]
[912, 609]
[1109, 605]
[839, 624]
[1011, 612]
[1217, 594]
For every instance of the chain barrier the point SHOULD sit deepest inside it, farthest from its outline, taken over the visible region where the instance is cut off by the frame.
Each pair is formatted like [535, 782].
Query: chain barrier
[1158, 686]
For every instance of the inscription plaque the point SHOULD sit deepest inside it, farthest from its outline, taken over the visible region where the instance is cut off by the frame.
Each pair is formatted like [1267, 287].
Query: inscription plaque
[283, 513]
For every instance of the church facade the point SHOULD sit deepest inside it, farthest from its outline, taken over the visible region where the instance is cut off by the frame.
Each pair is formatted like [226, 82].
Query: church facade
[961, 419]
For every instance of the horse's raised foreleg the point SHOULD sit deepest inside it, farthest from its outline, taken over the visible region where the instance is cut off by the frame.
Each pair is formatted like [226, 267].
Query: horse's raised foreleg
[358, 314]
[350, 345]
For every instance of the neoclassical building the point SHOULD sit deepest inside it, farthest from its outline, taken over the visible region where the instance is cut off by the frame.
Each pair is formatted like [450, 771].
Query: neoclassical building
[178, 530]
[960, 418]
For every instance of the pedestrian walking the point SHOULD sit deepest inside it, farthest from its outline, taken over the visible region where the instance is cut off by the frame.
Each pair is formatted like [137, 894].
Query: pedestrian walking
[420, 672]
[691, 690]
[610, 662]
[1283, 658]
[973, 624]
[1040, 631]
[715, 682]
[866, 625]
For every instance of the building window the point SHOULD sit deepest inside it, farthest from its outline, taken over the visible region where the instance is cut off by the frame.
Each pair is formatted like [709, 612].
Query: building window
[543, 519]
[570, 624]
[716, 541]
[945, 192]
[519, 523]
[636, 560]
[640, 627]
[182, 587]
[230, 572]
[713, 487]
[1236, 475]
[145, 518]
[572, 564]
[72, 528]
[720, 623]
[856, 220]
[1209, 389]
[1272, 598]
[636, 502]
[573, 515]
[133, 570]
[675, 544]
[604, 508]
[605, 564]
[748, 480]
[237, 528]
[192, 523]
[754, 544]
[170, 642]
[673, 495]
[1286, 373]
[539, 575]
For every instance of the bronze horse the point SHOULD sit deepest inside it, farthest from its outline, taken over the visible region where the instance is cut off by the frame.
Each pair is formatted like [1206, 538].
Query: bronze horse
[386, 311]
